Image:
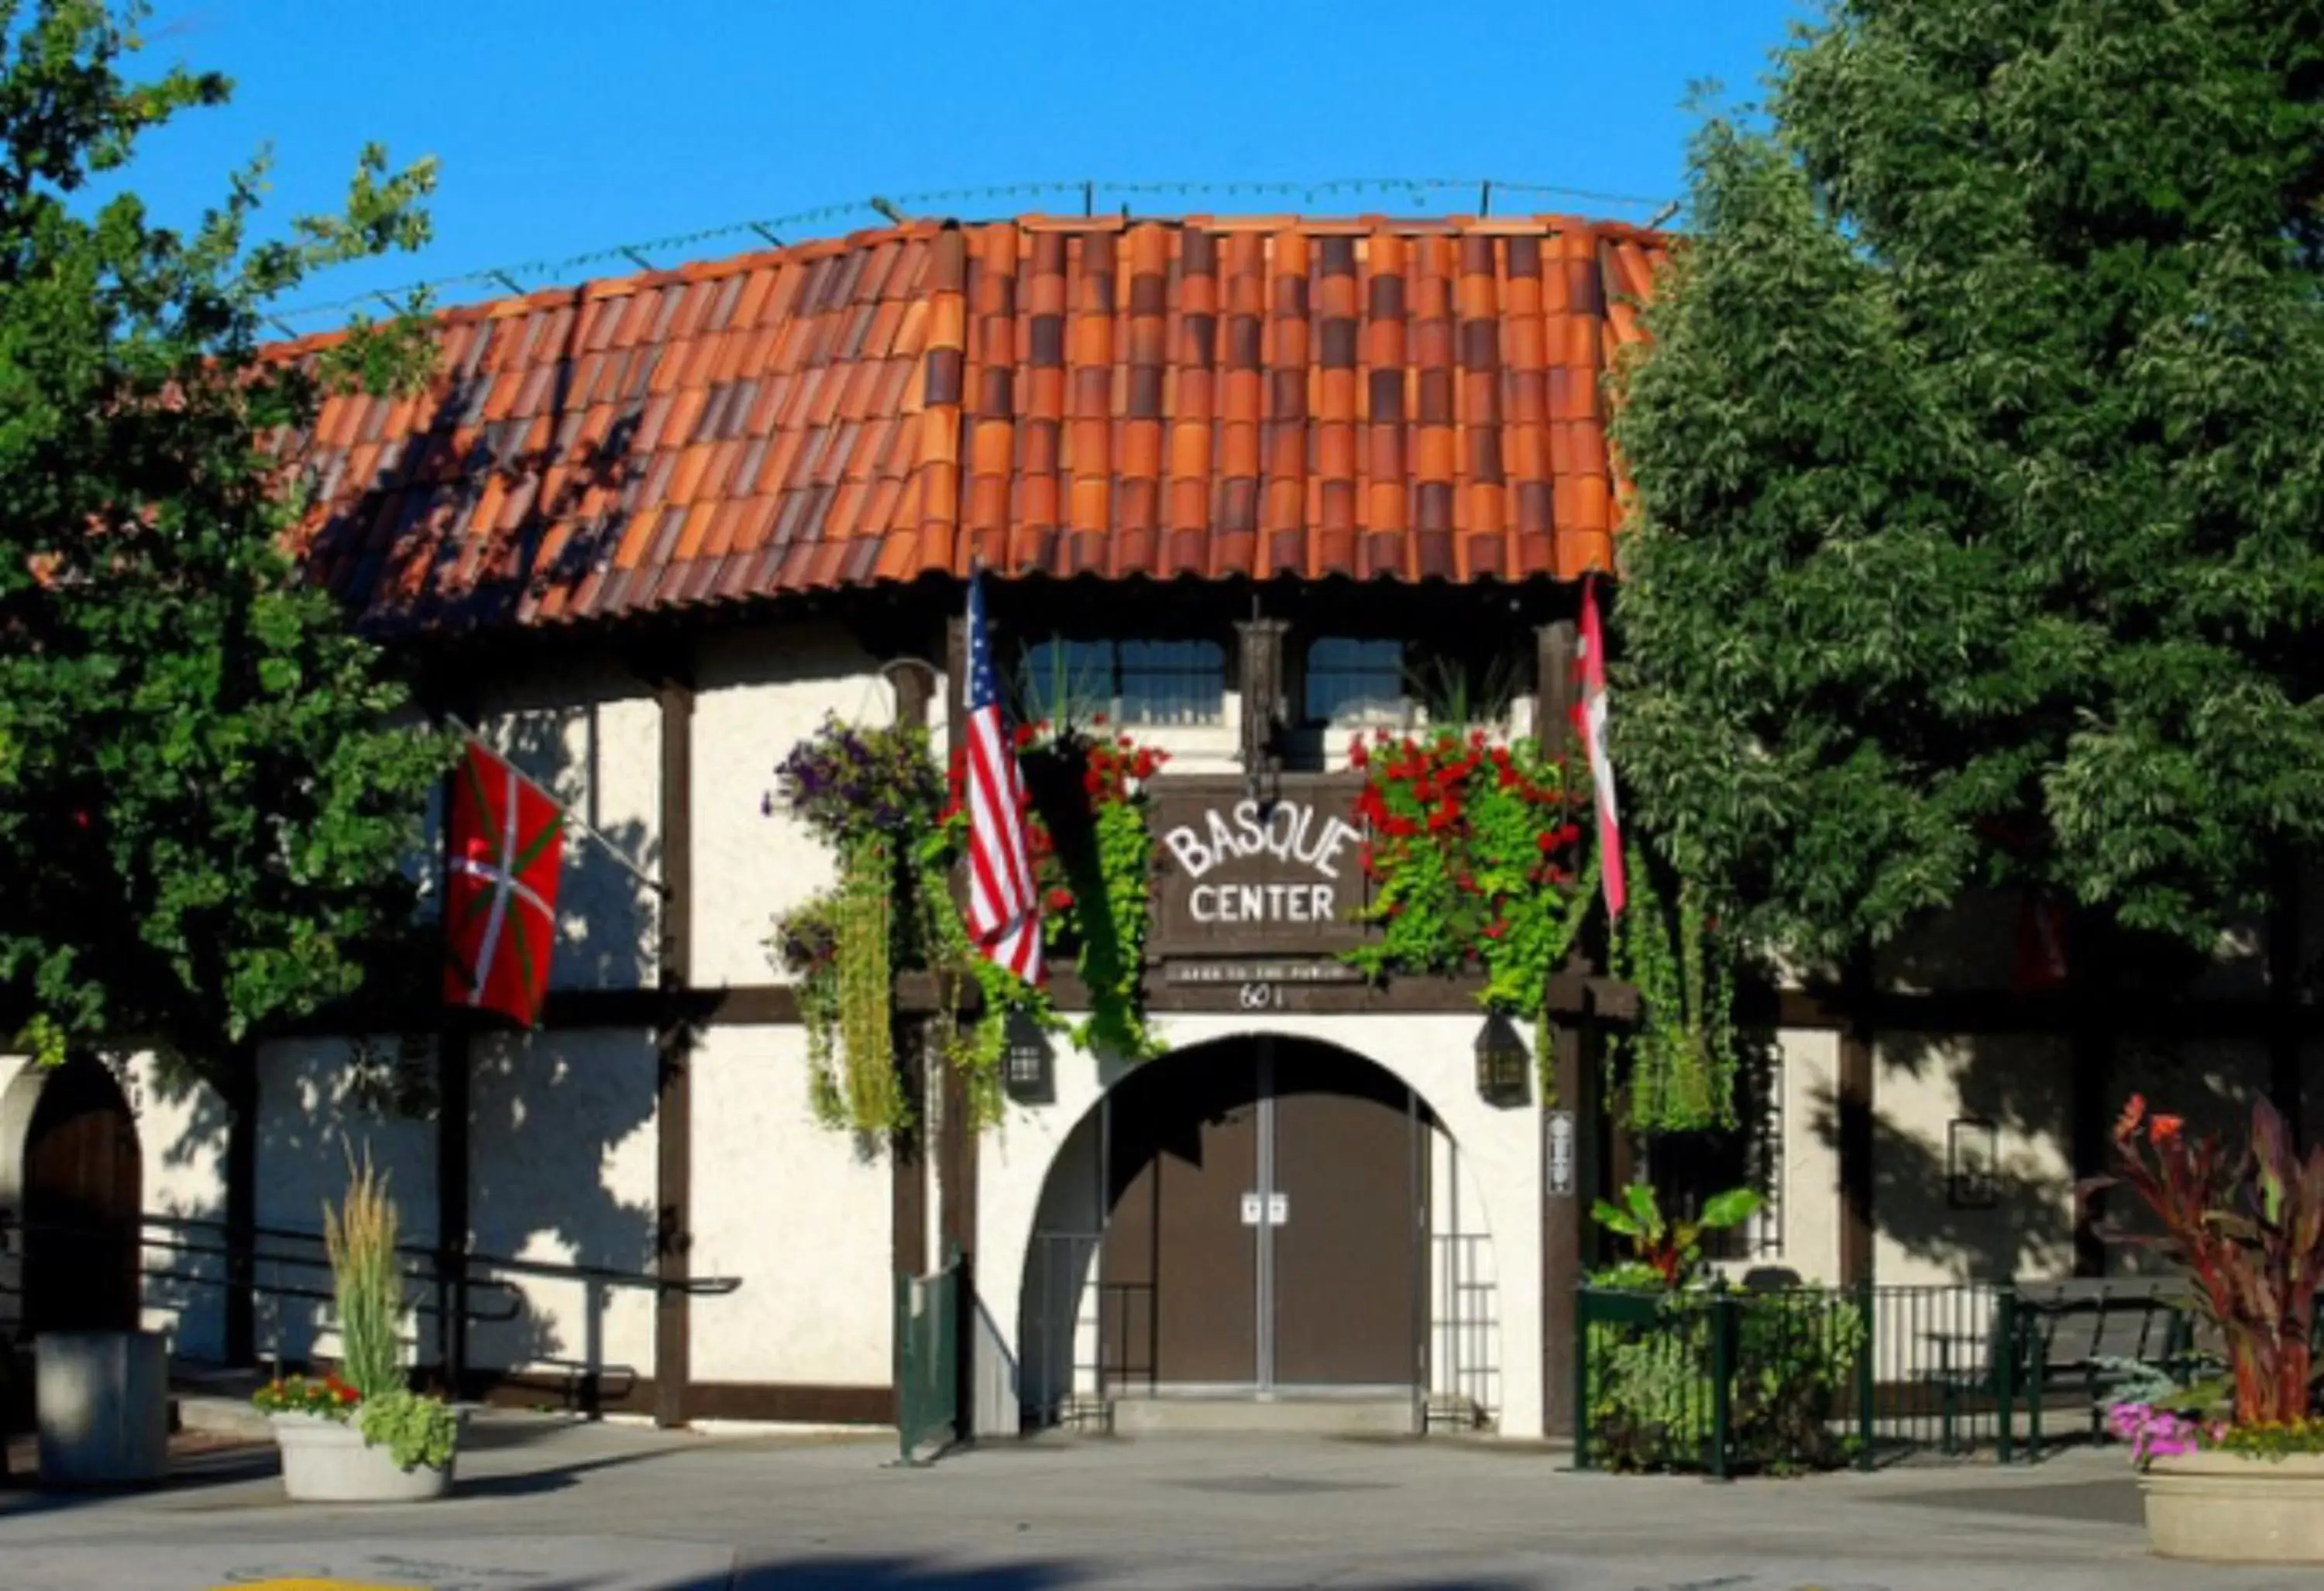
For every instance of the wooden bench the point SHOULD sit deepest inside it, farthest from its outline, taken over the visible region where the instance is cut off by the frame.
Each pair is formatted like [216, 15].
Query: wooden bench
[2077, 1334]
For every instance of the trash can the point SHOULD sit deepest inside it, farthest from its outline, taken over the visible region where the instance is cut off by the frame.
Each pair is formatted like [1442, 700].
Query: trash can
[103, 1407]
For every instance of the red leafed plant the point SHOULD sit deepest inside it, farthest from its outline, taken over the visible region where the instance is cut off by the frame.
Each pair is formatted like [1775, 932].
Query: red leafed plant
[2249, 1228]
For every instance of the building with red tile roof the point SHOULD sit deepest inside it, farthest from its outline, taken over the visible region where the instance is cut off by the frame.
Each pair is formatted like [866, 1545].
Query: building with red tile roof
[1251, 487]
[1207, 398]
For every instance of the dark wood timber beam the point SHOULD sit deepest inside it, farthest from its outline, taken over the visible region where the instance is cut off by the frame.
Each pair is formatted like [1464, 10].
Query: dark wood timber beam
[674, 1041]
[916, 686]
[1856, 1089]
[1569, 1127]
[2285, 1039]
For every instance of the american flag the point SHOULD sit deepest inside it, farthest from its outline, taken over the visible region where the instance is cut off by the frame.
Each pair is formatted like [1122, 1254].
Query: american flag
[1004, 907]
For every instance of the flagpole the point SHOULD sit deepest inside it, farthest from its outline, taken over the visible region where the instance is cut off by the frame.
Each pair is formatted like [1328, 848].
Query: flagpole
[568, 818]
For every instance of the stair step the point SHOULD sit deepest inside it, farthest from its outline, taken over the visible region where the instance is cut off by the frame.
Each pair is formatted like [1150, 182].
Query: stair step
[1287, 1414]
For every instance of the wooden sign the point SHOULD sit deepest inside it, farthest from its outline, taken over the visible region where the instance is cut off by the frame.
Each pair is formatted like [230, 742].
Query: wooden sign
[1275, 879]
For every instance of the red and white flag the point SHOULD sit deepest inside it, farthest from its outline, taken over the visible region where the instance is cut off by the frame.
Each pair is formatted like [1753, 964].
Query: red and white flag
[1590, 720]
[505, 839]
[1004, 904]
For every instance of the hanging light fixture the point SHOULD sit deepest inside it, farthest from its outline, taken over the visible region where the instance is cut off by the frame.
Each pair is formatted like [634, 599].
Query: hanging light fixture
[1503, 1065]
[1027, 1062]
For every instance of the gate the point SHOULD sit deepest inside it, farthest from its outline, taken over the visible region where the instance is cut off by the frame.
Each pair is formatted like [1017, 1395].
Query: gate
[927, 1363]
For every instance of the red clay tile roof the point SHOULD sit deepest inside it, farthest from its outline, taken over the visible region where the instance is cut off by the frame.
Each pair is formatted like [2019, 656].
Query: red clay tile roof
[1201, 398]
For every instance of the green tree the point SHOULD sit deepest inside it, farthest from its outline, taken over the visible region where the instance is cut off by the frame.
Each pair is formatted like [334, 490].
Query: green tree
[1979, 467]
[205, 815]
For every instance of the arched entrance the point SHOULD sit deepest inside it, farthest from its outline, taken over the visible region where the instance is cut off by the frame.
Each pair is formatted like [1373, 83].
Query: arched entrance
[71, 1173]
[1244, 1220]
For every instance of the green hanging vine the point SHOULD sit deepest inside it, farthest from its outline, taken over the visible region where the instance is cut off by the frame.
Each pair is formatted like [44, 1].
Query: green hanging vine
[875, 796]
[1680, 1060]
[857, 789]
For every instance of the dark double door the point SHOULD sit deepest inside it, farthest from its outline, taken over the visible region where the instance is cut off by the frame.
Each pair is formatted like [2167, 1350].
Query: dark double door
[1266, 1201]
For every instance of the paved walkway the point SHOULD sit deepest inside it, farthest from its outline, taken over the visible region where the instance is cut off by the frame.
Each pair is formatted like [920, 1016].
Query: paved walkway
[544, 1506]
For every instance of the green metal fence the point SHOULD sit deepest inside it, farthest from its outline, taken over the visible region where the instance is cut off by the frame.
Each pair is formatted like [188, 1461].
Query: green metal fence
[1724, 1383]
[927, 1362]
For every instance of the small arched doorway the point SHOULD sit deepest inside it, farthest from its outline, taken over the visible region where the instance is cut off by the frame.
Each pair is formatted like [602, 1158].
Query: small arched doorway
[71, 1173]
[1246, 1218]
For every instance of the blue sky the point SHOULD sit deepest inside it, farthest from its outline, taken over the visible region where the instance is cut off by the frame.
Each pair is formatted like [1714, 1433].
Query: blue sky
[566, 128]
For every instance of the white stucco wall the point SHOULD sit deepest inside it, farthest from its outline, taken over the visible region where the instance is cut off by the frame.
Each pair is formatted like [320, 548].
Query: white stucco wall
[2024, 1087]
[308, 1123]
[1811, 1153]
[1502, 1149]
[591, 735]
[181, 1130]
[756, 697]
[562, 1169]
[800, 1213]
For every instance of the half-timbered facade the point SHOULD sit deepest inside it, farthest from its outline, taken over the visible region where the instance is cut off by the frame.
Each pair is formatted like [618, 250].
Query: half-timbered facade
[1247, 481]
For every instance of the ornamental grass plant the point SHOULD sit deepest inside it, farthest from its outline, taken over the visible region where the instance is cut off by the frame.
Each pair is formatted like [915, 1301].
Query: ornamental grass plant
[366, 1280]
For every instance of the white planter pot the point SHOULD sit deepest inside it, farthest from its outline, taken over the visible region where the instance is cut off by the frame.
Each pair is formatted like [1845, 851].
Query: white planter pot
[325, 1461]
[2228, 1508]
[103, 1407]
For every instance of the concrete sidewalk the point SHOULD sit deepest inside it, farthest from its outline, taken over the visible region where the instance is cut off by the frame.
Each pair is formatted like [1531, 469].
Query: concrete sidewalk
[545, 1505]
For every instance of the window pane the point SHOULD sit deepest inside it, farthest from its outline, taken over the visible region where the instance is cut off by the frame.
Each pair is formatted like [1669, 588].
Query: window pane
[1068, 681]
[1173, 682]
[1353, 681]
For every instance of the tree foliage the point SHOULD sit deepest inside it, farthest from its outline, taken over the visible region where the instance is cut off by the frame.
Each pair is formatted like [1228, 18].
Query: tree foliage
[205, 814]
[1980, 471]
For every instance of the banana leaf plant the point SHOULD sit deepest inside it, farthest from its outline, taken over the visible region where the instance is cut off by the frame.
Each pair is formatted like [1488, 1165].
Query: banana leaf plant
[2248, 1227]
[1670, 1250]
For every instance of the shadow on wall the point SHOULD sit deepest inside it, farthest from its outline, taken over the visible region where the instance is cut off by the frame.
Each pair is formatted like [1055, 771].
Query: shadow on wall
[548, 1113]
[2025, 1089]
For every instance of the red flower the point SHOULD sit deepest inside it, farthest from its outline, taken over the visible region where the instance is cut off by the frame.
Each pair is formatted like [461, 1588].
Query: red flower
[1025, 736]
[1467, 882]
[1093, 781]
[1547, 840]
[1059, 898]
[1569, 833]
[2161, 1129]
[1497, 930]
[1357, 756]
[2132, 1115]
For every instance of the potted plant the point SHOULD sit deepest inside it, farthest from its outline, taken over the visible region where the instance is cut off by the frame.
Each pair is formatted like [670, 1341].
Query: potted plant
[359, 1434]
[2234, 1463]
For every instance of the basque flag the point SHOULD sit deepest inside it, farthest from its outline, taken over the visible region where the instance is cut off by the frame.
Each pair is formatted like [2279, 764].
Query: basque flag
[1004, 907]
[505, 839]
[1590, 720]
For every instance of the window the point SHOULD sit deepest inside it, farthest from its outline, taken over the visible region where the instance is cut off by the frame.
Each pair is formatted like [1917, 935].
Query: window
[1355, 682]
[1133, 682]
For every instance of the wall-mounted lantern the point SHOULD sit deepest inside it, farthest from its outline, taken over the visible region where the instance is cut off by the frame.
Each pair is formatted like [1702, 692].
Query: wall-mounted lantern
[1028, 1063]
[1503, 1065]
[1972, 1163]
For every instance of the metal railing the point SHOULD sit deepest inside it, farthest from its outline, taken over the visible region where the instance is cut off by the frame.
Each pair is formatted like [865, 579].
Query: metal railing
[1464, 1332]
[280, 1265]
[1724, 1382]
